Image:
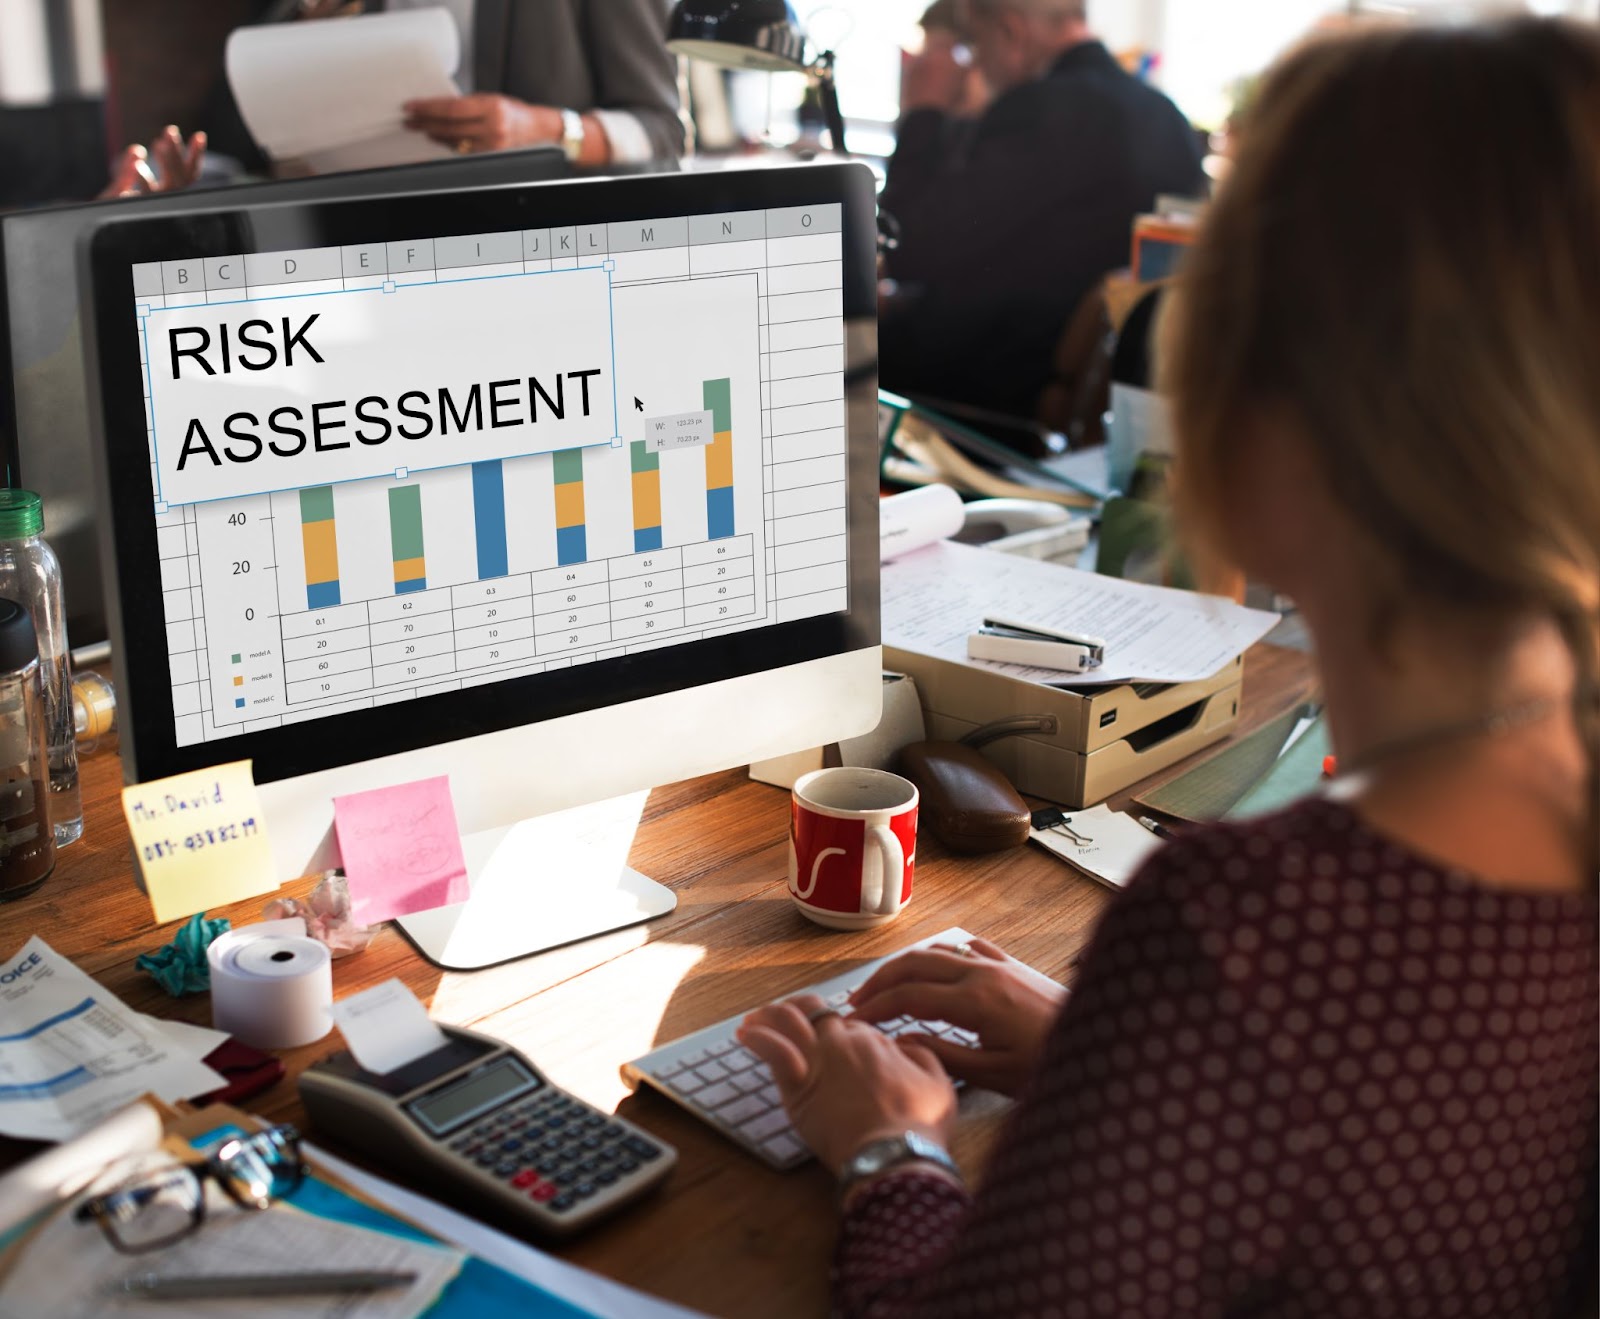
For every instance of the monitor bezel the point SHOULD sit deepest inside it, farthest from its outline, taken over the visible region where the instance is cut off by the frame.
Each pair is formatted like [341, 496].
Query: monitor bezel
[148, 728]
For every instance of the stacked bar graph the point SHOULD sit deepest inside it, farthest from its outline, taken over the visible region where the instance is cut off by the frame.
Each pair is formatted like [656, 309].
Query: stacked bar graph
[646, 468]
[321, 547]
[489, 517]
[718, 401]
[405, 539]
[571, 537]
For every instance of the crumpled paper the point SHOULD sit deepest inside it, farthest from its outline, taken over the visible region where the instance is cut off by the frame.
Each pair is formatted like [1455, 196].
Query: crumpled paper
[180, 967]
[326, 912]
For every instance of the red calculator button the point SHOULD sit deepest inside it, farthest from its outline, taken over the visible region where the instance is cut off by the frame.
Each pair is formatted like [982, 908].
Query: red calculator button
[524, 1179]
[544, 1192]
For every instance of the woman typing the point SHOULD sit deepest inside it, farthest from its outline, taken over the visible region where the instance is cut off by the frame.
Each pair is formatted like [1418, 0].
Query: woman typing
[1341, 1060]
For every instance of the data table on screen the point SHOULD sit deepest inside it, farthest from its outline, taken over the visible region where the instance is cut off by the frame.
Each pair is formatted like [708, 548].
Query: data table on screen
[300, 602]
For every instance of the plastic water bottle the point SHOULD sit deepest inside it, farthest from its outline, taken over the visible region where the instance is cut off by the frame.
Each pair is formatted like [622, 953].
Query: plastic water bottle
[30, 575]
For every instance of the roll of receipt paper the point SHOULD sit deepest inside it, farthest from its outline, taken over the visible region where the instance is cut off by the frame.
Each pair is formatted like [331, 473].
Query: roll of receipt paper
[271, 985]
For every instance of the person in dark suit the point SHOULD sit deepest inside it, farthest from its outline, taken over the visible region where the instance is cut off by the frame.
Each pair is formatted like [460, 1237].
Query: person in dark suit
[594, 76]
[1006, 222]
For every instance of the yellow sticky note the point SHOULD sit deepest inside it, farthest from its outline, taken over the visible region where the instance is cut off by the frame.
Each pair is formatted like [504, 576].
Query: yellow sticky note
[200, 839]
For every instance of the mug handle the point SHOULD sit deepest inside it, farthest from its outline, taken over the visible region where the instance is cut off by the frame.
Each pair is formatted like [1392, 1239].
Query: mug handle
[893, 857]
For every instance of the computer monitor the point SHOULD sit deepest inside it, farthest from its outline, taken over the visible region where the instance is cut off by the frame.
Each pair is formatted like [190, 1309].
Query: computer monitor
[44, 414]
[556, 490]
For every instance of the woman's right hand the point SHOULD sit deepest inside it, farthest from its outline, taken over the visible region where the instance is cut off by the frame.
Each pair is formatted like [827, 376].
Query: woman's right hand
[1009, 1006]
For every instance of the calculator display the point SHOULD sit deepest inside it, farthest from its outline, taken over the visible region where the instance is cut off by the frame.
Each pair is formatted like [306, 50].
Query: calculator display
[482, 1090]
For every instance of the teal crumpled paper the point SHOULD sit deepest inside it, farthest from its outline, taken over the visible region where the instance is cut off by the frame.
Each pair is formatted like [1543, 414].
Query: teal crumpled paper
[181, 968]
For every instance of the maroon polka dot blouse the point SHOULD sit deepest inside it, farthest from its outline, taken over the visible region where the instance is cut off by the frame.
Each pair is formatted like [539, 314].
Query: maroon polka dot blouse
[1303, 1072]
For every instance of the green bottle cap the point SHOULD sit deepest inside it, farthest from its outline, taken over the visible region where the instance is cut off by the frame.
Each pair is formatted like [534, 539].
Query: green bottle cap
[21, 514]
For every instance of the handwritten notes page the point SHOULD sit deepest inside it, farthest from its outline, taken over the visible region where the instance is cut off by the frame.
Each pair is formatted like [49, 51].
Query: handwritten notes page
[401, 849]
[200, 840]
[934, 599]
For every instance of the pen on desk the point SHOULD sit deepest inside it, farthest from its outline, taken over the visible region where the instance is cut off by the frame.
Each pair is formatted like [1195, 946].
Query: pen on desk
[1157, 828]
[219, 1286]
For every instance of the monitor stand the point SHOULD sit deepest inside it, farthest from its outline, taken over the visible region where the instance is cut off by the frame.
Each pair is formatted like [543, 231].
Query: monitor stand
[539, 884]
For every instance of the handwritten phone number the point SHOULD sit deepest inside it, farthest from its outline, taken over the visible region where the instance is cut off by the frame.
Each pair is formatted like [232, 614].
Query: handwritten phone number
[201, 838]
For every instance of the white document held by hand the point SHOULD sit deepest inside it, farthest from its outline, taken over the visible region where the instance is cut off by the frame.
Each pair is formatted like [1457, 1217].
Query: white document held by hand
[330, 91]
[71, 1053]
[934, 599]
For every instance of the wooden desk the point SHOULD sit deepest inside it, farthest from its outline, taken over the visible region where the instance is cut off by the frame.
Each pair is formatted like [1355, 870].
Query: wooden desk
[727, 1235]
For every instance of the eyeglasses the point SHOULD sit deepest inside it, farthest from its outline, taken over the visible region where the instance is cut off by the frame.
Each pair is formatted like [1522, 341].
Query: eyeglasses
[155, 1208]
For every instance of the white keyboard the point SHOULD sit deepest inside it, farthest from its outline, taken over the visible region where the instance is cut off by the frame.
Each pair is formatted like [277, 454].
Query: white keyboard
[721, 1082]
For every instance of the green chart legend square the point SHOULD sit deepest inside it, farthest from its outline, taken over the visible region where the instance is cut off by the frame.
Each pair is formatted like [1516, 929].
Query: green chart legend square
[238, 659]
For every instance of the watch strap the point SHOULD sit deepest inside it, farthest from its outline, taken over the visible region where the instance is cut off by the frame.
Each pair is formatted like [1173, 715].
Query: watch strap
[880, 1156]
[571, 134]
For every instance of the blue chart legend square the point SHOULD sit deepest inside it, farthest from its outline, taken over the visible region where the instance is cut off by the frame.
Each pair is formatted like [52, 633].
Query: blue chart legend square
[238, 703]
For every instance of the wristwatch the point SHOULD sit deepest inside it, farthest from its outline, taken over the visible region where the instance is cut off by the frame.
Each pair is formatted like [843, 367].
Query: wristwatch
[571, 134]
[881, 1155]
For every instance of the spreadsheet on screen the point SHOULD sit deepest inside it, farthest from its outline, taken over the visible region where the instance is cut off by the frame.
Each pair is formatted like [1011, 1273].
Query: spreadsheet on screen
[385, 471]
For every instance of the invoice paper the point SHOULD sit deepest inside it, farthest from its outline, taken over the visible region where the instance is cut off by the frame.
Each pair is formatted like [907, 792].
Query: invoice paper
[330, 91]
[71, 1053]
[934, 599]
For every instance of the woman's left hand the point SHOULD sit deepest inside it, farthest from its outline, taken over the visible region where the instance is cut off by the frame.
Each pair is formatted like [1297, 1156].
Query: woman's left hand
[846, 1083]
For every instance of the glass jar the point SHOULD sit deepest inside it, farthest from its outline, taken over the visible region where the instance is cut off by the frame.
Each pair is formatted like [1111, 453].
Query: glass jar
[27, 842]
[30, 575]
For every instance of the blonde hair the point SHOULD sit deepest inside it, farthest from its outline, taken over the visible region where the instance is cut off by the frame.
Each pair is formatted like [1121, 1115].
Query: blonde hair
[1405, 261]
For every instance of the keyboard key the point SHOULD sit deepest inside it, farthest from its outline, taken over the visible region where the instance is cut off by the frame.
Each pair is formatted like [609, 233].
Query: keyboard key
[771, 1095]
[695, 1057]
[766, 1126]
[742, 1110]
[783, 1147]
[714, 1096]
[712, 1071]
[667, 1071]
[739, 1060]
[748, 1081]
[687, 1084]
[721, 1047]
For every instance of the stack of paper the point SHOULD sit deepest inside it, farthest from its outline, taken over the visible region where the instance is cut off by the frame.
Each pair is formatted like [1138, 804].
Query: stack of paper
[72, 1054]
[934, 599]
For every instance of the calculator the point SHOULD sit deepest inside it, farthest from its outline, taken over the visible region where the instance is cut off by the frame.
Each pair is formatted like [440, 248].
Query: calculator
[483, 1124]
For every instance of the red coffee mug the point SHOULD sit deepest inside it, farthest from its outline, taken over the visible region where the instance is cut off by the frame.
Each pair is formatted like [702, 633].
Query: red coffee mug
[852, 846]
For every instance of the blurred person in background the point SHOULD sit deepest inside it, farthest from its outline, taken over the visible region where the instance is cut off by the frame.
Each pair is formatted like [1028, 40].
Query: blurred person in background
[1007, 222]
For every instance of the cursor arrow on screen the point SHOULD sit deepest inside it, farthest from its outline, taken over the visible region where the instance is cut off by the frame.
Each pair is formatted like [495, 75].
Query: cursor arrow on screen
[637, 406]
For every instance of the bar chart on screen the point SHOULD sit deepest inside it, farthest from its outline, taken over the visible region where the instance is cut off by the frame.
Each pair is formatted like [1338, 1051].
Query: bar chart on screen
[706, 494]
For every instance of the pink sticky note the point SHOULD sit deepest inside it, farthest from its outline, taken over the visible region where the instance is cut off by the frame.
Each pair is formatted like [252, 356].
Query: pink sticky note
[401, 850]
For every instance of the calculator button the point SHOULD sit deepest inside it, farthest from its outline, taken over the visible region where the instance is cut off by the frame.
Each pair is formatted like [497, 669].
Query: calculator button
[524, 1179]
[507, 1168]
[488, 1159]
[641, 1147]
[555, 1123]
[552, 1143]
[627, 1165]
[589, 1166]
[594, 1120]
[547, 1166]
[613, 1130]
[511, 1146]
[564, 1201]
[565, 1178]
[545, 1192]
[583, 1190]
[606, 1176]
[591, 1142]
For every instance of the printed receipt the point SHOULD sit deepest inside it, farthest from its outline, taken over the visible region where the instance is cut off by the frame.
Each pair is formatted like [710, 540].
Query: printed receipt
[387, 1027]
[200, 840]
[72, 1054]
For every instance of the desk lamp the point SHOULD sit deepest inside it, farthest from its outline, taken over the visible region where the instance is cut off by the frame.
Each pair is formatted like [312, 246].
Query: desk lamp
[755, 34]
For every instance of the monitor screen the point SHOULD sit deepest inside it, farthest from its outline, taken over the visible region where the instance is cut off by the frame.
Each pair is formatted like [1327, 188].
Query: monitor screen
[44, 418]
[413, 471]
